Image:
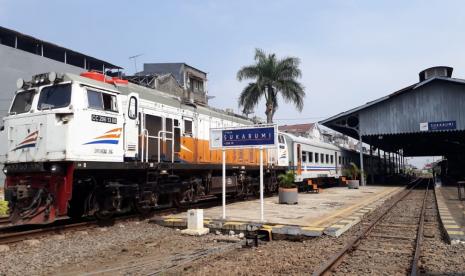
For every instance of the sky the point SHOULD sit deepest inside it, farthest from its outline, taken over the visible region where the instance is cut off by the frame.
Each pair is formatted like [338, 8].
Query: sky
[351, 52]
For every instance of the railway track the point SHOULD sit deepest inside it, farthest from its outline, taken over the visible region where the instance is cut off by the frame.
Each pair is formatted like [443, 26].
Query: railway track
[12, 234]
[4, 221]
[390, 244]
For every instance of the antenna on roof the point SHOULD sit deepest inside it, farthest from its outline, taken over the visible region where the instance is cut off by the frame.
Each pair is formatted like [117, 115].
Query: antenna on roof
[135, 62]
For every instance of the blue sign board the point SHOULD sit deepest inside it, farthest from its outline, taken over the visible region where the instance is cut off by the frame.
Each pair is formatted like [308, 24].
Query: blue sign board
[446, 125]
[243, 137]
[263, 136]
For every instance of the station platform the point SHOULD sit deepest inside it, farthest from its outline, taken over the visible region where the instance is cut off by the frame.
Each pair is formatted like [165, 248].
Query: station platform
[451, 212]
[332, 212]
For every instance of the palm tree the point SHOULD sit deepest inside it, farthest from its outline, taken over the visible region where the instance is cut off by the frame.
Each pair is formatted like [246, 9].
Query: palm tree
[271, 76]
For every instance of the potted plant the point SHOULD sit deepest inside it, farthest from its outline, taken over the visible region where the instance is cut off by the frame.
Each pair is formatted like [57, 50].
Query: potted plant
[287, 188]
[352, 171]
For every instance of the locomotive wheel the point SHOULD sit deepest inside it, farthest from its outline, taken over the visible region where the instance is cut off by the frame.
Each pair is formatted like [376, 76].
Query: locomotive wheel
[103, 215]
[185, 198]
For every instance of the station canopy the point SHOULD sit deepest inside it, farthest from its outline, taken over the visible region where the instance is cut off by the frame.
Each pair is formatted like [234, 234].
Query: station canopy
[424, 119]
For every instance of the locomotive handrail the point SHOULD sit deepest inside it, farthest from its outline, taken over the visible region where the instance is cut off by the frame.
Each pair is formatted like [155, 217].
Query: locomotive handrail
[164, 132]
[145, 145]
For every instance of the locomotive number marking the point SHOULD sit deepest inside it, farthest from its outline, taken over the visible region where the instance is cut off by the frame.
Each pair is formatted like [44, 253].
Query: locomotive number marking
[103, 119]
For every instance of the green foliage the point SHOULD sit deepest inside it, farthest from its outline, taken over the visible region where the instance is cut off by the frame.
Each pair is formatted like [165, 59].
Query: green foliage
[3, 208]
[351, 171]
[271, 76]
[286, 180]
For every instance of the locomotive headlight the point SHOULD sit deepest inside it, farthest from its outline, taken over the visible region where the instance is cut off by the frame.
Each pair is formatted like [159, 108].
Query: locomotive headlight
[54, 168]
[5, 170]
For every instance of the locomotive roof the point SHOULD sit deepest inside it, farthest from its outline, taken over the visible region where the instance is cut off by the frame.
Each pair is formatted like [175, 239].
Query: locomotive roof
[313, 142]
[160, 97]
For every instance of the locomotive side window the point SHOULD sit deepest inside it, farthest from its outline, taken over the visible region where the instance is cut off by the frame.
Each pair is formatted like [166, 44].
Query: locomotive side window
[188, 127]
[102, 101]
[95, 99]
[56, 96]
[22, 102]
[132, 109]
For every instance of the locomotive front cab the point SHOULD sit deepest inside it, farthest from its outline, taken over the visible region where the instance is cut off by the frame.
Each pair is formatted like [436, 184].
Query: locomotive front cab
[53, 122]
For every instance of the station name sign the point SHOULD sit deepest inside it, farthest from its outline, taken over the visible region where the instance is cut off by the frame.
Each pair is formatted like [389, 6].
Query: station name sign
[244, 137]
[438, 126]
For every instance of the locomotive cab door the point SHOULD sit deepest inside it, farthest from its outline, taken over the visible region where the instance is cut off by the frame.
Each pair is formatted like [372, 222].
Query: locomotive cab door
[131, 127]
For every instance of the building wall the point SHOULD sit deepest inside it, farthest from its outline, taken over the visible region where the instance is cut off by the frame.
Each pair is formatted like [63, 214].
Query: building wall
[15, 64]
[434, 102]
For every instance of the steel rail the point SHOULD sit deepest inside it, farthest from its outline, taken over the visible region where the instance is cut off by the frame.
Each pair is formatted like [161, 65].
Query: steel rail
[336, 258]
[419, 240]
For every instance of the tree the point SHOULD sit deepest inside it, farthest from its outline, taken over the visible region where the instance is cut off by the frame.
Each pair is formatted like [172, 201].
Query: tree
[272, 76]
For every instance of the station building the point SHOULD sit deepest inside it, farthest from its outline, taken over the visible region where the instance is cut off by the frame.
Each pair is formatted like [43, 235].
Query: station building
[422, 119]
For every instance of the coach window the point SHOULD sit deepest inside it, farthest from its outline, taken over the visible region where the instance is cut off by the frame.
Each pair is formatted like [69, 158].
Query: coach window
[310, 157]
[132, 109]
[339, 160]
[332, 159]
[322, 158]
[304, 157]
[188, 127]
[316, 157]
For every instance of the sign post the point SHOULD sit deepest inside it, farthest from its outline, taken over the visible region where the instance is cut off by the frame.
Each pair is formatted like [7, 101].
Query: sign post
[262, 215]
[224, 183]
[257, 136]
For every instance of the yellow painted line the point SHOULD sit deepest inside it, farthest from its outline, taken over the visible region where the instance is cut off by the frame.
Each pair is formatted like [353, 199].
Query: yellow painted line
[451, 226]
[353, 207]
[455, 233]
[234, 223]
[278, 226]
[173, 219]
[267, 226]
[312, 228]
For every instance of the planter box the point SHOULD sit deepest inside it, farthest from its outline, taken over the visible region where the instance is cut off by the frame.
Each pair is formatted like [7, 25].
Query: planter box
[288, 196]
[353, 184]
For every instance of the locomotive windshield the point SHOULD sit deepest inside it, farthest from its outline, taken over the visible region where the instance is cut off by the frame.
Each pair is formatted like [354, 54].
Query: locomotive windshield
[54, 97]
[22, 102]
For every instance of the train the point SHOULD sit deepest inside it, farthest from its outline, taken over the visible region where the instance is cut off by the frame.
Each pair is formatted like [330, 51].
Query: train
[94, 145]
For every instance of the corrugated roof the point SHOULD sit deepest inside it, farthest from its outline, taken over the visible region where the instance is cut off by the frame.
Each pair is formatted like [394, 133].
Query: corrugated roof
[299, 128]
[49, 44]
[394, 94]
